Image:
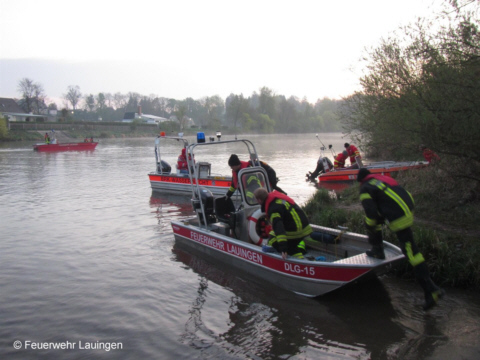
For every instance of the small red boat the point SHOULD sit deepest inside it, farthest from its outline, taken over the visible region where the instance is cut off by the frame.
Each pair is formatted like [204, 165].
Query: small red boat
[65, 147]
[383, 168]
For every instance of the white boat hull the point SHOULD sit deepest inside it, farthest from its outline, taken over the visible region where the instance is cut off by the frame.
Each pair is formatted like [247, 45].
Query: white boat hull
[304, 277]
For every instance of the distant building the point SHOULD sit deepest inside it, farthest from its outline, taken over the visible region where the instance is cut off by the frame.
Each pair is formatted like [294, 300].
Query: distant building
[146, 118]
[13, 112]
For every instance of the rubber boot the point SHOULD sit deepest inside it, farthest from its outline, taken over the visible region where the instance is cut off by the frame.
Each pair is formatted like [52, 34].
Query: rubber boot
[376, 252]
[431, 291]
[375, 239]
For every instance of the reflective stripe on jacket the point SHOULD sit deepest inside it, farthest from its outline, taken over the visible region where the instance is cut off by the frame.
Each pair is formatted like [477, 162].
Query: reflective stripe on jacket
[287, 218]
[383, 198]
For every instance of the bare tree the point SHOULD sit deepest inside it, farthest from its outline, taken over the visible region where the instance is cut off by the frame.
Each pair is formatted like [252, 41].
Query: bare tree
[73, 96]
[120, 100]
[180, 111]
[33, 97]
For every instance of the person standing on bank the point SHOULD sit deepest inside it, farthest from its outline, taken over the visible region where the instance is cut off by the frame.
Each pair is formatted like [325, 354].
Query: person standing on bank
[384, 200]
[289, 223]
[354, 155]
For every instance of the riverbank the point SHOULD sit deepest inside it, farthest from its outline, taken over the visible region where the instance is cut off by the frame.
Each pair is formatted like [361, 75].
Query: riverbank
[80, 130]
[446, 226]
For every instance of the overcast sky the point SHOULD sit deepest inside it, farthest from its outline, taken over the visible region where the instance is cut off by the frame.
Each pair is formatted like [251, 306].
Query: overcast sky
[195, 48]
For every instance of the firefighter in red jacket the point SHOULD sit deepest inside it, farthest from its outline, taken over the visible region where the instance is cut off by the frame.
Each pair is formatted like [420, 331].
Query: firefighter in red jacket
[339, 162]
[289, 223]
[385, 201]
[182, 164]
[253, 182]
[353, 153]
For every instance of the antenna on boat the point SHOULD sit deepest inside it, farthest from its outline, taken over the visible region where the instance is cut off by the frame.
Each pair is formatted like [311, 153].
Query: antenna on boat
[330, 147]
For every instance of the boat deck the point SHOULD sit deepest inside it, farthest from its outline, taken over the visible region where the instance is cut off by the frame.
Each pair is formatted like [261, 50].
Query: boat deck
[363, 259]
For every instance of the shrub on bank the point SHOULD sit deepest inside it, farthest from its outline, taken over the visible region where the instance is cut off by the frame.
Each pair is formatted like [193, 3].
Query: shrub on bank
[452, 254]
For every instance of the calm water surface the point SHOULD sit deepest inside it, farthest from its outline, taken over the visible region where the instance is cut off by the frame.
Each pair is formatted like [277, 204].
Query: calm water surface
[88, 259]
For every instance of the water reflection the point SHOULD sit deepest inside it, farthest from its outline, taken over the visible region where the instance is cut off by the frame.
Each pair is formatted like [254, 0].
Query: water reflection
[267, 323]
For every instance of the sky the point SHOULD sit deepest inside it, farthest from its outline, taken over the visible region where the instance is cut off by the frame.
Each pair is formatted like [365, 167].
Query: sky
[192, 48]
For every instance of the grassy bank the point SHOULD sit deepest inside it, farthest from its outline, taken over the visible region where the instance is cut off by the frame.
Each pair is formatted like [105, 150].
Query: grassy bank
[446, 226]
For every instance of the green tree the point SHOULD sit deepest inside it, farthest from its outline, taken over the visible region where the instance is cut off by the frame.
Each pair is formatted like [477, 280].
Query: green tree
[236, 107]
[89, 102]
[180, 113]
[423, 89]
[267, 102]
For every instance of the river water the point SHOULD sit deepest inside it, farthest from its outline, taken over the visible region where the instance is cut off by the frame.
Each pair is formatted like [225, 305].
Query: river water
[88, 261]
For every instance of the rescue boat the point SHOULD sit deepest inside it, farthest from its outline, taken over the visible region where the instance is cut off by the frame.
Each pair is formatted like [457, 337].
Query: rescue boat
[166, 180]
[328, 177]
[227, 232]
[383, 168]
[65, 146]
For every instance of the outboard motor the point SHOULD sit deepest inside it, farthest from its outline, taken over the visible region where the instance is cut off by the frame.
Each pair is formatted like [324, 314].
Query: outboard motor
[324, 165]
[207, 199]
[225, 211]
[164, 167]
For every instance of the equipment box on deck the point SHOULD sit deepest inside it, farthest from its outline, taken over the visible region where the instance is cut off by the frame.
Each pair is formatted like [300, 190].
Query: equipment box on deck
[221, 228]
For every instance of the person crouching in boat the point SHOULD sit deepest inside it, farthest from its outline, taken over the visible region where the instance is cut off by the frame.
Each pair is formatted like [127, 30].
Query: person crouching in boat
[289, 223]
[339, 162]
[354, 155]
[384, 200]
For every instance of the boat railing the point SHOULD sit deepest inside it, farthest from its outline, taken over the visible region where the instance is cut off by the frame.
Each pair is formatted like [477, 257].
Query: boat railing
[195, 176]
[158, 152]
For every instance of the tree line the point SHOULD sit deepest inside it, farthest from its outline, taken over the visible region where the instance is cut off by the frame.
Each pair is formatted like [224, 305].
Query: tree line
[262, 111]
[423, 87]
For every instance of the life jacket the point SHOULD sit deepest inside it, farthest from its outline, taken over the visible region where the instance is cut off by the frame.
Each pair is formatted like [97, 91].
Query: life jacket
[295, 224]
[277, 195]
[386, 179]
[383, 197]
[339, 161]
[182, 161]
[243, 165]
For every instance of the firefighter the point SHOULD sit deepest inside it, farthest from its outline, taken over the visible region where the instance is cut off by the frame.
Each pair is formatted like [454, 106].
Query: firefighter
[289, 223]
[252, 184]
[385, 201]
[339, 162]
[353, 154]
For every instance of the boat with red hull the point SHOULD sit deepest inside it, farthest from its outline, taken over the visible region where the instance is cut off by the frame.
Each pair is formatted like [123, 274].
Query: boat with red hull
[173, 181]
[226, 232]
[383, 168]
[81, 146]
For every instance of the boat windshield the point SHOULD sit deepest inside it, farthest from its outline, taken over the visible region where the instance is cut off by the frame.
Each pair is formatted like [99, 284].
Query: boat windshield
[251, 181]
